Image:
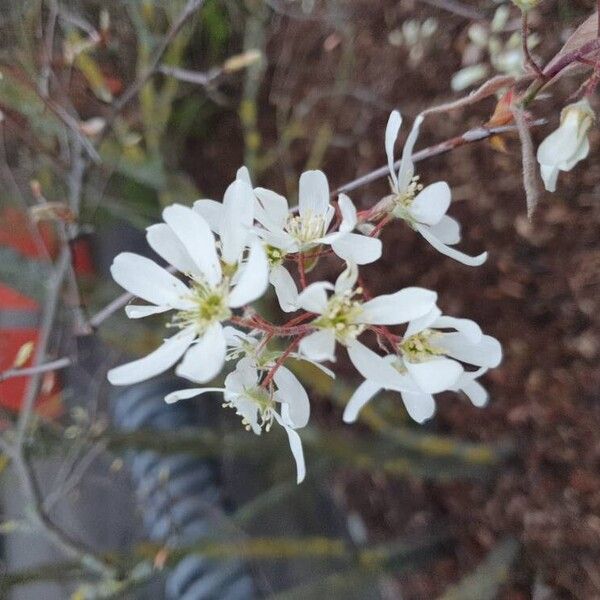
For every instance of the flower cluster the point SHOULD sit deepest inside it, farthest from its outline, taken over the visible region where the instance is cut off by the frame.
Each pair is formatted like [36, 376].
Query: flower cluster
[228, 253]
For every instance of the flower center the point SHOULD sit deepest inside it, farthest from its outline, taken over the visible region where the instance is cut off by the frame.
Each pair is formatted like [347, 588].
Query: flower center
[402, 200]
[275, 256]
[419, 348]
[306, 228]
[210, 306]
[341, 315]
[264, 403]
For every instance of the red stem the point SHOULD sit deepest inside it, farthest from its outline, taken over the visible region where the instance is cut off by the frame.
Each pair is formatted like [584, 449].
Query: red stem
[280, 361]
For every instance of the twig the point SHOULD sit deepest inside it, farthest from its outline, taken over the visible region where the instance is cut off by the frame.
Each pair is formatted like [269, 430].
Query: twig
[473, 135]
[530, 182]
[48, 47]
[49, 313]
[189, 9]
[71, 547]
[529, 60]
[196, 77]
[54, 365]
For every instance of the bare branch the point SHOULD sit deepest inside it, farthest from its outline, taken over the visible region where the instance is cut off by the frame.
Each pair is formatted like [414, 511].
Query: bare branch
[59, 363]
[190, 8]
[473, 135]
[530, 181]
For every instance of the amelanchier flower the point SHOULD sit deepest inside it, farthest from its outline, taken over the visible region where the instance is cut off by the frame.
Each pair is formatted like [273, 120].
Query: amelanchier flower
[282, 400]
[569, 144]
[215, 287]
[424, 209]
[342, 317]
[429, 361]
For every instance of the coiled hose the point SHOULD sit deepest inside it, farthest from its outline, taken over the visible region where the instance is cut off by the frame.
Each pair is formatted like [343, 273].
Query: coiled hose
[179, 495]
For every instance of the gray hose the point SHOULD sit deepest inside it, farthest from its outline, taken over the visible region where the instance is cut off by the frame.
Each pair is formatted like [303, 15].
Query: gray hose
[179, 495]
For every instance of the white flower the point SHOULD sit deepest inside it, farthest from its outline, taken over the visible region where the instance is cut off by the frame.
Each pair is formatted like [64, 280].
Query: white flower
[289, 232]
[566, 146]
[286, 402]
[212, 292]
[424, 209]
[343, 317]
[429, 361]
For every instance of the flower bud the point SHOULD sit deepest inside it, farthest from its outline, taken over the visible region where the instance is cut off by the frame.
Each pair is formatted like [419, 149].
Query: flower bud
[526, 5]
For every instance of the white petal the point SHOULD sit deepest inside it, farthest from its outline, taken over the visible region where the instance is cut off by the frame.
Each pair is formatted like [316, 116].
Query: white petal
[314, 363]
[550, 177]
[431, 204]
[190, 393]
[243, 377]
[420, 407]
[405, 305]
[205, 359]
[348, 211]
[364, 392]
[580, 154]
[447, 230]
[486, 353]
[291, 392]
[346, 279]
[468, 328]
[167, 245]
[254, 278]
[313, 195]
[407, 169]
[391, 135]
[244, 175]
[418, 325]
[560, 145]
[145, 279]
[319, 345]
[314, 297]
[211, 211]
[357, 248]
[196, 236]
[285, 288]
[139, 312]
[476, 393]
[465, 259]
[157, 362]
[377, 369]
[436, 375]
[275, 209]
[296, 448]
[238, 215]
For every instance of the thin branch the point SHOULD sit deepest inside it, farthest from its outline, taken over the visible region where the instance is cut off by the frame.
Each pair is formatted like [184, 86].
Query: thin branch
[59, 363]
[48, 48]
[473, 135]
[530, 182]
[189, 9]
[29, 485]
[196, 77]
[529, 60]
[49, 313]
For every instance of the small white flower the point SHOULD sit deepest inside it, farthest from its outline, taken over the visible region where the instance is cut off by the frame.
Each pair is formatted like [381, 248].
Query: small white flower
[343, 317]
[284, 401]
[424, 209]
[213, 290]
[429, 361]
[566, 146]
[289, 232]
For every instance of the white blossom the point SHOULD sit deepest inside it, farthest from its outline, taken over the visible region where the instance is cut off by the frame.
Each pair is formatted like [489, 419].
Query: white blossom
[214, 289]
[424, 209]
[286, 402]
[342, 317]
[566, 146]
[429, 360]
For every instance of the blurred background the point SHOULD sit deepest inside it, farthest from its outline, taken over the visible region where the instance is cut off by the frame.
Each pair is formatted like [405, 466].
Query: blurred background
[111, 110]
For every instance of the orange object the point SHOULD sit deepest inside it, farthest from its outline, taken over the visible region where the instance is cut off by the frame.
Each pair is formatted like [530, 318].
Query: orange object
[19, 317]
